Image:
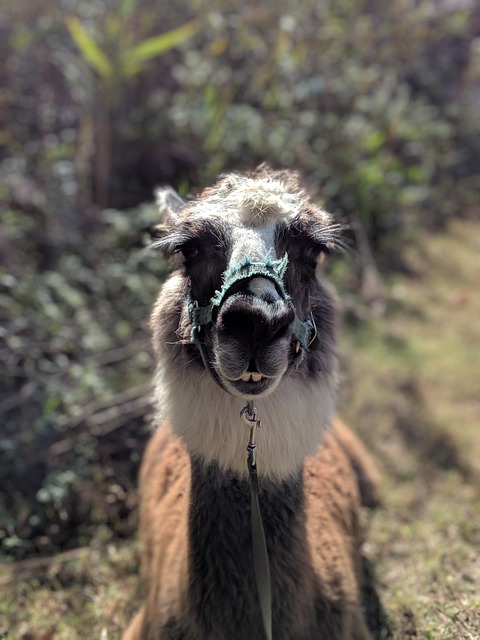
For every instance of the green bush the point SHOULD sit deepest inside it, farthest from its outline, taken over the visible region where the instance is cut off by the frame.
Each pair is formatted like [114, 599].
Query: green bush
[75, 382]
[339, 94]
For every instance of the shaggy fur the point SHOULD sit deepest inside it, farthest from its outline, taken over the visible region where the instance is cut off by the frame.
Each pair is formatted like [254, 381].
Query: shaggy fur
[195, 503]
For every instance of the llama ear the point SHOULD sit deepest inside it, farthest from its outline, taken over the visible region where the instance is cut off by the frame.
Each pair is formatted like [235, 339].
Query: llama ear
[169, 206]
[169, 203]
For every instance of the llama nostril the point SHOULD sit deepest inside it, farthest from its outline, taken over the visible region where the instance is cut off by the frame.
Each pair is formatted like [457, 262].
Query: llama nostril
[283, 319]
[239, 322]
[254, 322]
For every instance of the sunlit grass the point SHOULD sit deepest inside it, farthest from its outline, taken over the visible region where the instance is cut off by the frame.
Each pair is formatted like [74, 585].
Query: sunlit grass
[90, 594]
[413, 394]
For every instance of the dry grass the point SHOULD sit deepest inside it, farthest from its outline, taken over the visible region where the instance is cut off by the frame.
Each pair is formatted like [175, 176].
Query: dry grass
[88, 593]
[411, 389]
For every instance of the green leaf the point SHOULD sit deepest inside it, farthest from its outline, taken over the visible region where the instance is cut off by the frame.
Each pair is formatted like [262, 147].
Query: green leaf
[89, 49]
[135, 57]
[21, 38]
[375, 141]
[112, 26]
[127, 7]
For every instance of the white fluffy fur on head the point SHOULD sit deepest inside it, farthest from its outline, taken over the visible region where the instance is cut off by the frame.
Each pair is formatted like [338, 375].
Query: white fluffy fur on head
[255, 201]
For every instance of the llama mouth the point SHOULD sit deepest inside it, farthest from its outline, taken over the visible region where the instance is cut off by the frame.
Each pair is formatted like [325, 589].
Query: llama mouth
[251, 383]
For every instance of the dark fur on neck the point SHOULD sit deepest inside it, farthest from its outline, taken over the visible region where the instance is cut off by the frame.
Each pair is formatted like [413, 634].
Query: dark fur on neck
[206, 587]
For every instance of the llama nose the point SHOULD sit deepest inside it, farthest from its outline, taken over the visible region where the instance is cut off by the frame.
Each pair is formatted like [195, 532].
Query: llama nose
[253, 321]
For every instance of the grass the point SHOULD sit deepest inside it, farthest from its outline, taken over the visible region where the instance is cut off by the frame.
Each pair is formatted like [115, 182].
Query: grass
[88, 593]
[411, 390]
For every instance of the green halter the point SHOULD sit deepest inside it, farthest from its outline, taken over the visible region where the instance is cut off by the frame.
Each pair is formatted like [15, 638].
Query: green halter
[303, 331]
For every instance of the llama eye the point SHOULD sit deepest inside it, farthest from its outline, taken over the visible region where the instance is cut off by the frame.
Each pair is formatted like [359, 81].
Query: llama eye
[189, 252]
[310, 256]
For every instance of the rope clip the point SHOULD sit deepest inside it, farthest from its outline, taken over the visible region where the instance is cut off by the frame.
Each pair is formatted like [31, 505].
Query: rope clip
[249, 418]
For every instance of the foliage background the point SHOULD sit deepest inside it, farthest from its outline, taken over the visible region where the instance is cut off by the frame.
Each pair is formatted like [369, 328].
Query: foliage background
[376, 104]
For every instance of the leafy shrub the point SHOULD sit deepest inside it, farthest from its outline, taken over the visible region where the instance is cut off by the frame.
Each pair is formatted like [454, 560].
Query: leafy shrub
[337, 93]
[74, 383]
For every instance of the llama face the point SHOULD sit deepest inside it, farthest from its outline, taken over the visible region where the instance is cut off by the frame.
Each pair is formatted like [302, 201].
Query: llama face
[250, 337]
[249, 327]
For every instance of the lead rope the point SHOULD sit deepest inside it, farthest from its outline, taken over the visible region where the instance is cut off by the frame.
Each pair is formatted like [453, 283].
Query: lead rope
[260, 553]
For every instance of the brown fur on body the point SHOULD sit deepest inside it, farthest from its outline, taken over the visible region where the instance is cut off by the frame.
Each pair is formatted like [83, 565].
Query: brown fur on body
[313, 539]
[197, 560]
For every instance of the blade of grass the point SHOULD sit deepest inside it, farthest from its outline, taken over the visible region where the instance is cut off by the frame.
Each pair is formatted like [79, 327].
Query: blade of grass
[89, 49]
[135, 57]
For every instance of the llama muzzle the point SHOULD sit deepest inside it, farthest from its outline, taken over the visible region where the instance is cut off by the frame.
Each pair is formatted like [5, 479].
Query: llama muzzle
[257, 333]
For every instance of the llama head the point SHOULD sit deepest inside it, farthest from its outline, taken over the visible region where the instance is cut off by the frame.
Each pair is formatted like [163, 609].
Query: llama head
[246, 309]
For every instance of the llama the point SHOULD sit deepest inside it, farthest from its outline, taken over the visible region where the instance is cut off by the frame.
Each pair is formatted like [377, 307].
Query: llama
[247, 318]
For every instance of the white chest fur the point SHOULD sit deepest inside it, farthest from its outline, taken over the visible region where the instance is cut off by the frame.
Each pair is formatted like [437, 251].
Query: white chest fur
[208, 420]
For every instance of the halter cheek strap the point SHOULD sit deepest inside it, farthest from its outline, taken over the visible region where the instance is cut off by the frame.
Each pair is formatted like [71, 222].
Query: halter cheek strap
[200, 318]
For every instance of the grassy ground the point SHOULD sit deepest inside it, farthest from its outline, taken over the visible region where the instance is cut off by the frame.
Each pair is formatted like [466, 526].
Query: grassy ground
[411, 388]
